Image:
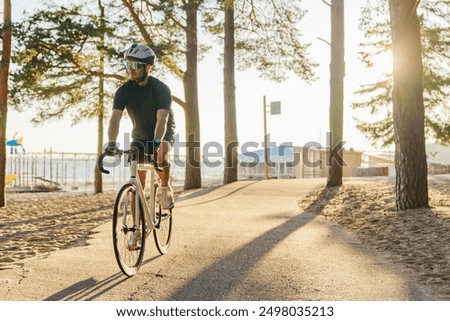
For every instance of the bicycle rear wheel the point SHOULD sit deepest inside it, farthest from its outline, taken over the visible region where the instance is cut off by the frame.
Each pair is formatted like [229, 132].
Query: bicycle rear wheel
[163, 228]
[124, 230]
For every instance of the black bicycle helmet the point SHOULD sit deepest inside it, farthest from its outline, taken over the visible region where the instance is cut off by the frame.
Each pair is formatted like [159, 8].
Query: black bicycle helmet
[140, 53]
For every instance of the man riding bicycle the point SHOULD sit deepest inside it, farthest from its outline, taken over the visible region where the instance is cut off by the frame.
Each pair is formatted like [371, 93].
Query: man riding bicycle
[148, 102]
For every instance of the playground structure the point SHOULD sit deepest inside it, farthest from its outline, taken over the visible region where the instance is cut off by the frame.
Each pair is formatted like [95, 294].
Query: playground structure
[14, 143]
[10, 178]
[48, 171]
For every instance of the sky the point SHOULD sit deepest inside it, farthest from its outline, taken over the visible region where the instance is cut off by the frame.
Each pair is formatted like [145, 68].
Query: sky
[304, 108]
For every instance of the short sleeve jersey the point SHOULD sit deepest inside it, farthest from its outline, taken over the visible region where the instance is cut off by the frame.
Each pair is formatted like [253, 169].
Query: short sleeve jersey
[142, 104]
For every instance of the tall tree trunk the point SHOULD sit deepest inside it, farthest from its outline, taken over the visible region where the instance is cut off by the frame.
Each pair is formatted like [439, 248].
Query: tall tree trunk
[4, 74]
[411, 184]
[98, 180]
[231, 137]
[337, 71]
[190, 82]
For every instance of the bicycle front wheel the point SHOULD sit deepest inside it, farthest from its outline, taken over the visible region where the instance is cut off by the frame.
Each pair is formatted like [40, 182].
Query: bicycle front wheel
[128, 237]
[163, 228]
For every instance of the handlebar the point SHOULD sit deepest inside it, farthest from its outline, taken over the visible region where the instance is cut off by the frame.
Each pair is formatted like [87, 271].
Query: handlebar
[100, 163]
[119, 153]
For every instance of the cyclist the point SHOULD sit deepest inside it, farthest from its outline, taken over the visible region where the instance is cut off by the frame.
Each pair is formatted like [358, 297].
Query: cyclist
[148, 102]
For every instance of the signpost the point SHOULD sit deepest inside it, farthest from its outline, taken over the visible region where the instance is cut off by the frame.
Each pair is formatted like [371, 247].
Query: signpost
[275, 109]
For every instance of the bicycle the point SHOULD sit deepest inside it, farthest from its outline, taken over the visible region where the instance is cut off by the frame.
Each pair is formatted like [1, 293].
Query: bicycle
[136, 216]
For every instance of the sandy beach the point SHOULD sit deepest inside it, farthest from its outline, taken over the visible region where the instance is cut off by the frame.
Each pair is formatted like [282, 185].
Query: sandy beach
[418, 241]
[33, 224]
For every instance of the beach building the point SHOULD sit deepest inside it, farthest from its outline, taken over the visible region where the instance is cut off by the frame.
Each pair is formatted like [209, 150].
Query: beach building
[308, 162]
[295, 162]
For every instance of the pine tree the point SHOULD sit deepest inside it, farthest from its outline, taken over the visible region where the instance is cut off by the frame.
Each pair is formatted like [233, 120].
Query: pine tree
[408, 106]
[435, 35]
[61, 56]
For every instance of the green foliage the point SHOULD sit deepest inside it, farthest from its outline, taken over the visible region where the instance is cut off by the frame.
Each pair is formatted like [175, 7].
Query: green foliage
[58, 48]
[267, 37]
[165, 25]
[57, 56]
[436, 80]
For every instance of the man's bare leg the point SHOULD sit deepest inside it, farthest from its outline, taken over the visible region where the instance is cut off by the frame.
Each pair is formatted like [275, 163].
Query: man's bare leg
[163, 162]
[166, 195]
[142, 176]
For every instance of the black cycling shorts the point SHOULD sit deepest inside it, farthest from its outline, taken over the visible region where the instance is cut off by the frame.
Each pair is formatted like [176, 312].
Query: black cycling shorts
[144, 150]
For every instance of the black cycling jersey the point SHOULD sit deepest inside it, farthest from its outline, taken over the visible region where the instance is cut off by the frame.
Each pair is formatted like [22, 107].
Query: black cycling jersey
[142, 103]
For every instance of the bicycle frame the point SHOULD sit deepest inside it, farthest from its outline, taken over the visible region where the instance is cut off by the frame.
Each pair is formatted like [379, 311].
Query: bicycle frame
[152, 216]
[149, 212]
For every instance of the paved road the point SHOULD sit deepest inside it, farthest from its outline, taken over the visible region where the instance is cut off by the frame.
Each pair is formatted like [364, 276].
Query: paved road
[243, 241]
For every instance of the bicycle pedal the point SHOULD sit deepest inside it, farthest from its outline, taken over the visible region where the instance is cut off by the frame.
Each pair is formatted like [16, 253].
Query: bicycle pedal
[133, 248]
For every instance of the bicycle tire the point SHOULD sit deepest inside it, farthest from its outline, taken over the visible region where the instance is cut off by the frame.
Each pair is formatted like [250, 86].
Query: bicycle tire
[129, 261]
[163, 228]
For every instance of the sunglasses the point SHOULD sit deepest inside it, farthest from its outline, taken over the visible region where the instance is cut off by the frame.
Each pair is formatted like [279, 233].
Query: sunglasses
[133, 65]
